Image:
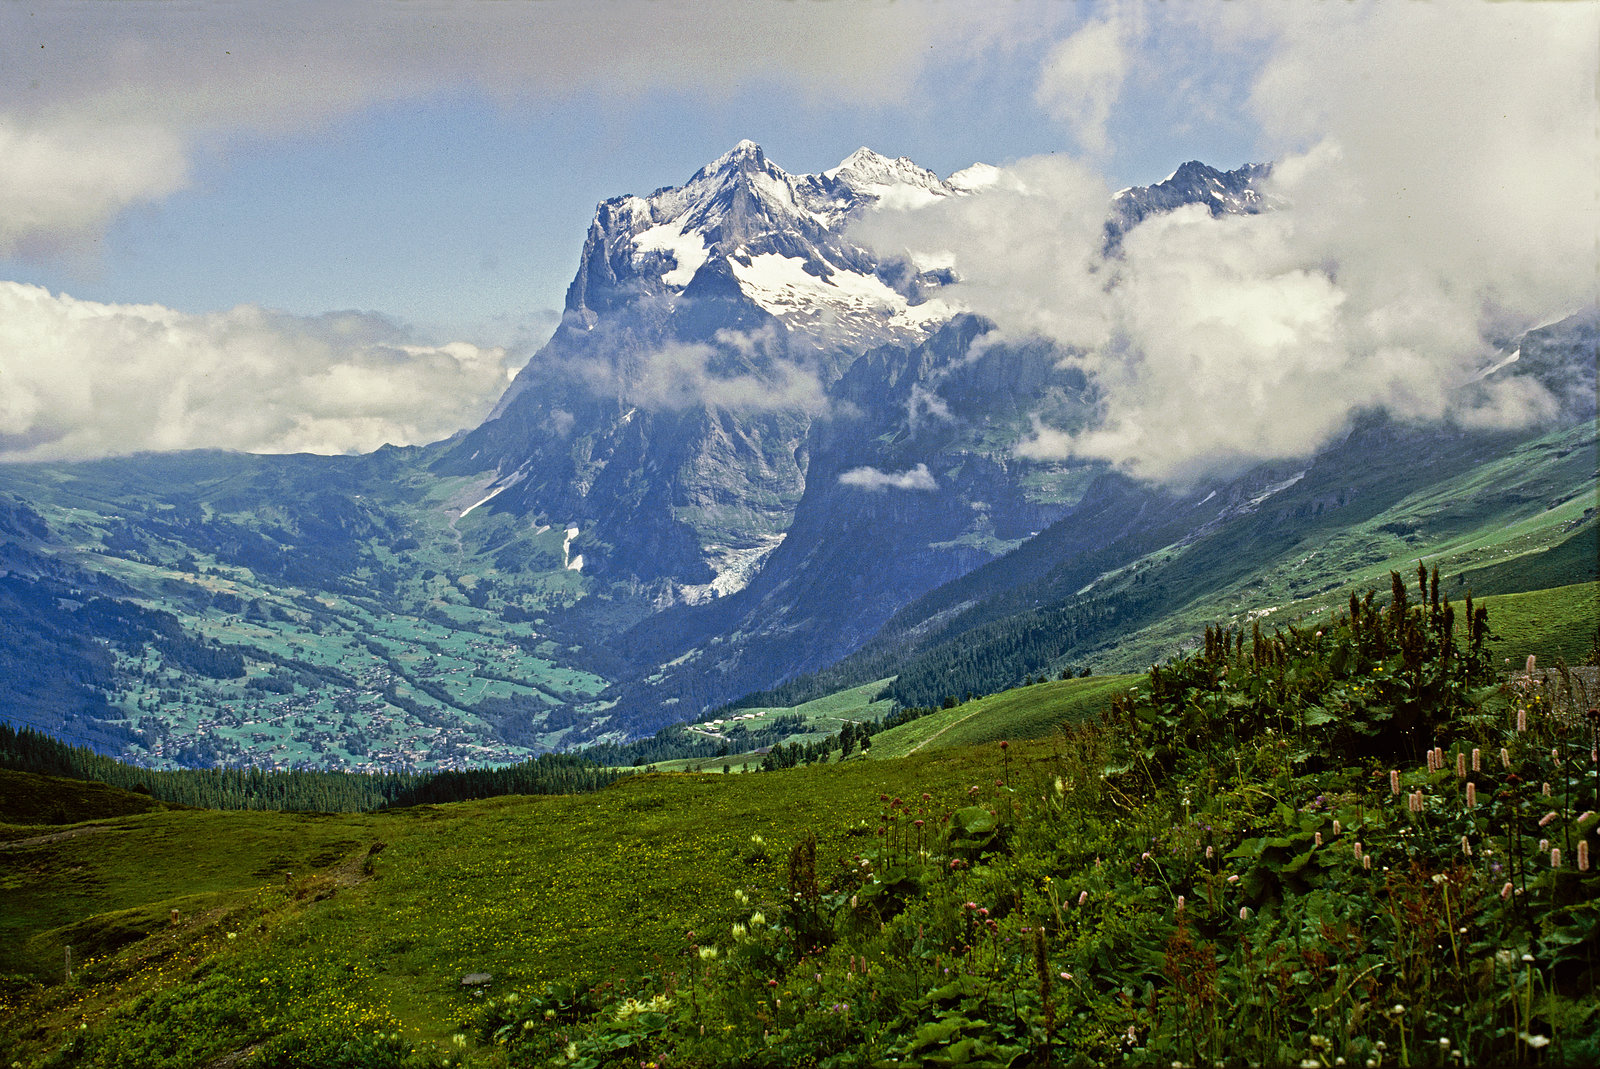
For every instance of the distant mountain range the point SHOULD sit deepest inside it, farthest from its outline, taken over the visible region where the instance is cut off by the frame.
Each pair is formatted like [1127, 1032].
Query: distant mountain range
[754, 456]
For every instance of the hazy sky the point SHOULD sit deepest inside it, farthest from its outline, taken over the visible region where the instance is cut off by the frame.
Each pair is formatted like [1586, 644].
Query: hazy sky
[355, 219]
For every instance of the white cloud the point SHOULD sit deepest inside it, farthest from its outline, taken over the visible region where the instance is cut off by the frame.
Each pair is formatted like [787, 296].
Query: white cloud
[79, 379]
[918, 478]
[61, 180]
[740, 372]
[1439, 162]
[1081, 80]
[105, 104]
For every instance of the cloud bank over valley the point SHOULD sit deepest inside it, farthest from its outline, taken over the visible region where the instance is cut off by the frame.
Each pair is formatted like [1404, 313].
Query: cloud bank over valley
[79, 379]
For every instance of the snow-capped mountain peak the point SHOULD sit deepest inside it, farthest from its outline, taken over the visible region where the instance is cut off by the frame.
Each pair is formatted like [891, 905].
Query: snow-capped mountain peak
[1236, 192]
[868, 174]
[778, 237]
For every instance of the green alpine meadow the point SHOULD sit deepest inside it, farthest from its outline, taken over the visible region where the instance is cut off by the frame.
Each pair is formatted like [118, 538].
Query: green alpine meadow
[1357, 839]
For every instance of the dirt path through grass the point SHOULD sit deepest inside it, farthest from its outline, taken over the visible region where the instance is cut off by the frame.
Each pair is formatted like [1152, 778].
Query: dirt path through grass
[941, 731]
[56, 836]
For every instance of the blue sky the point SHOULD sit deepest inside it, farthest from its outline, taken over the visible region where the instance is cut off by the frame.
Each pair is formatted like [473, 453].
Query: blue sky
[397, 194]
[460, 208]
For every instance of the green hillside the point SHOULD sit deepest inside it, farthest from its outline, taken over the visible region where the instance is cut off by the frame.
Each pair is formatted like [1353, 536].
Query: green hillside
[1032, 712]
[1239, 855]
[35, 799]
[1562, 623]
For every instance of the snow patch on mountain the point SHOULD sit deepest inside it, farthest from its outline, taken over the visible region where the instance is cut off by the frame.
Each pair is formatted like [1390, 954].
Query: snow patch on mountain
[733, 568]
[847, 304]
[688, 251]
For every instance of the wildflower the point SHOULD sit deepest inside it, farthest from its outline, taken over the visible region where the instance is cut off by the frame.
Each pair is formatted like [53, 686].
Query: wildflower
[1544, 844]
[1530, 664]
[757, 920]
[1180, 903]
[1466, 846]
[1318, 838]
[1505, 892]
[1244, 913]
[1547, 818]
[1394, 782]
[1522, 719]
[1505, 757]
[1583, 855]
[1366, 862]
[1337, 829]
[1209, 852]
[1472, 794]
[1555, 857]
[1534, 1041]
[1066, 976]
[1358, 850]
[1547, 790]
[1234, 878]
[1461, 766]
[1083, 896]
[1555, 756]
[740, 931]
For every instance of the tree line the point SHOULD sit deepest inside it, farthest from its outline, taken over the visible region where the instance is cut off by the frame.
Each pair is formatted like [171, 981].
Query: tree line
[27, 750]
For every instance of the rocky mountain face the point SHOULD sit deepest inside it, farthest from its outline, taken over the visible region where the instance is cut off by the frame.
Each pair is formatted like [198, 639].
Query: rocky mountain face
[668, 418]
[755, 425]
[1237, 192]
[768, 440]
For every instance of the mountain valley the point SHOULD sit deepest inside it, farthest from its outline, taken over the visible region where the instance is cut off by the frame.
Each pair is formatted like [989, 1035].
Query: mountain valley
[755, 458]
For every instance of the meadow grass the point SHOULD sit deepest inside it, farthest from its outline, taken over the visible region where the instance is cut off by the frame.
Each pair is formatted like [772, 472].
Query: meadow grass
[1036, 711]
[1185, 841]
[1562, 622]
[594, 887]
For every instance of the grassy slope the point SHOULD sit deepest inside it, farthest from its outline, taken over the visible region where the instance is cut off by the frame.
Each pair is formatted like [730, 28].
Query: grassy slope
[1025, 713]
[33, 800]
[525, 888]
[1557, 623]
